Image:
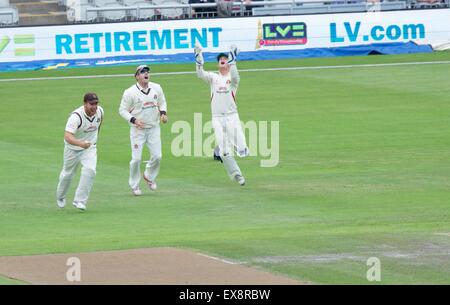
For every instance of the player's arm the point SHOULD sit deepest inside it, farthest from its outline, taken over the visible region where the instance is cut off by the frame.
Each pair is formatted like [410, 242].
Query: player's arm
[72, 126]
[125, 109]
[235, 78]
[232, 58]
[70, 138]
[162, 106]
[203, 75]
[199, 62]
[101, 121]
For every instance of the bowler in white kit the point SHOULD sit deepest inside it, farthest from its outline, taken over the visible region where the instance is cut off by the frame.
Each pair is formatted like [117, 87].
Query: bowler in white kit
[80, 138]
[225, 118]
[143, 106]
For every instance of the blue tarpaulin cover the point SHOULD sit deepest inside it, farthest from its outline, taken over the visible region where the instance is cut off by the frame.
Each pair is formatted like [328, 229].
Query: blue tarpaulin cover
[371, 49]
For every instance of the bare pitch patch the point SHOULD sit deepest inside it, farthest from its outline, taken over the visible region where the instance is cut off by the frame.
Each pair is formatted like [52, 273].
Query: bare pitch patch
[308, 259]
[443, 234]
[141, 266]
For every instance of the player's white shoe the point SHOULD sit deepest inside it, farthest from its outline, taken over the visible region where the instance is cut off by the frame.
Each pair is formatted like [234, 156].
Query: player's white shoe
[240, 179]
[61, 203]
[151, 184]
[79, 205]
[136, 191]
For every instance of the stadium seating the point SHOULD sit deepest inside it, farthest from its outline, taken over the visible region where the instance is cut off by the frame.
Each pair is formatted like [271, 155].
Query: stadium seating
[84, 11]
[141, 13]
[8, 14]
[77, 11]
[169, 13]
[392, 5]
[430, 3]
[111, 10]
[314, 8]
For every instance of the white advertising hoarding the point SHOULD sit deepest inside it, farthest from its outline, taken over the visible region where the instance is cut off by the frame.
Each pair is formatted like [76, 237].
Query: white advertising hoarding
[253, 34]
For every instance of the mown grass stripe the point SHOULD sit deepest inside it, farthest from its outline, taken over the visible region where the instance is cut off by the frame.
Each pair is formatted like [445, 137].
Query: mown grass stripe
[240, 70]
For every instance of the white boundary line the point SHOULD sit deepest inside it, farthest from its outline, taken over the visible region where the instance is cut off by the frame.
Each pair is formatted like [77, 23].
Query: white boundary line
[241, 70]
[218, 259]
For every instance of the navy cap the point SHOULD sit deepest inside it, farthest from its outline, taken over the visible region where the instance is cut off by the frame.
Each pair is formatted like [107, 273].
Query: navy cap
[90, 97]
[141, 68]
[221, 55]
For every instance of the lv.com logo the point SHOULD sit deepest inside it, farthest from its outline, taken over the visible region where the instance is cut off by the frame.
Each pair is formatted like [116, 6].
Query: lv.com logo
[278, 34]
[23, 44]
[355, 32]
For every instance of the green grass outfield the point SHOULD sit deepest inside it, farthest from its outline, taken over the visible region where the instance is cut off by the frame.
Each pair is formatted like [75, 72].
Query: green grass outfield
[8, 281]
[363, 172]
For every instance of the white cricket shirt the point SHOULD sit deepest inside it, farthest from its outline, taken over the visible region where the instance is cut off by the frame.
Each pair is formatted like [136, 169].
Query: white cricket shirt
[223, 90]
[83, 127]
[143, 104]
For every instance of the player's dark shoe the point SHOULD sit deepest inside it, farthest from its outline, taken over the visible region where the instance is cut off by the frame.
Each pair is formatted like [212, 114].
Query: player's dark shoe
[217, 154]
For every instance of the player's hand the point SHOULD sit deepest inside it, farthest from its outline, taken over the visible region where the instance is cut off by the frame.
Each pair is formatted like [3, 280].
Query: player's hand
[197, 49]
[198, 55]
[85, 144]
[232, 55]
[139, 124]
[164, 118]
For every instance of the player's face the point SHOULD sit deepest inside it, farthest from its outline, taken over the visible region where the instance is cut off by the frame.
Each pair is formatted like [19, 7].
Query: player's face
[143, 76]
[90, 107]
[223, 62]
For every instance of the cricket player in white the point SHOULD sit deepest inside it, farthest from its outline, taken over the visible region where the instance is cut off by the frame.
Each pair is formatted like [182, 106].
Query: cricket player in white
[143, 106]
[225, 118]
[80, 140]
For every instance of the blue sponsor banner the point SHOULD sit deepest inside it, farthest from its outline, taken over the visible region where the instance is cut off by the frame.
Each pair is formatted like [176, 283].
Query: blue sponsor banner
[380, 48]
[268, 37]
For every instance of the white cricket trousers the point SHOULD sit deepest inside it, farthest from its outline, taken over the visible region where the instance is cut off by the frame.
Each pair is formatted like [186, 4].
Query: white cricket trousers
[72, 159]
[138, 138]
[231, 139]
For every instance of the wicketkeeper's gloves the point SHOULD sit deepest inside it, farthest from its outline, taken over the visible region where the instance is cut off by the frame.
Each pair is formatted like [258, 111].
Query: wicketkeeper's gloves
[198, 55]
[232, 55]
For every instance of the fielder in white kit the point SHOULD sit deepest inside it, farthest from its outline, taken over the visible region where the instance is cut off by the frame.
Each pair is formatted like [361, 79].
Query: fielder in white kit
[225, 118]
[80, 140]
[143, 106]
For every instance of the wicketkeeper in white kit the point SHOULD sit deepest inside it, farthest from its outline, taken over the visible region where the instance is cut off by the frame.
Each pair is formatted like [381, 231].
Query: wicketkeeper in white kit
[225, 118]
[80, 140]
[143, 106]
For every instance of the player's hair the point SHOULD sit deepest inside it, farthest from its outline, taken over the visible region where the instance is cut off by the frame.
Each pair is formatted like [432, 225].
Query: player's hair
[90, 96]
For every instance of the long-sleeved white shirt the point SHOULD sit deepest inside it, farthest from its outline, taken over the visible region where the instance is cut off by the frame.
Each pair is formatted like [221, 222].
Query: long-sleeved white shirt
[143, 104]
[223, 90]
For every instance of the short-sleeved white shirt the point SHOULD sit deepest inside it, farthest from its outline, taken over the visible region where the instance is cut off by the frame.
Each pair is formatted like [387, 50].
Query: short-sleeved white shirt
[84, 128]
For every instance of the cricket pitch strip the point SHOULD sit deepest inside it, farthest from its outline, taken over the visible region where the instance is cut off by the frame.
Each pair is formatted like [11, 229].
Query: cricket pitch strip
[158, 266]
